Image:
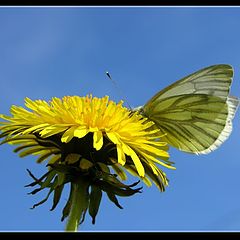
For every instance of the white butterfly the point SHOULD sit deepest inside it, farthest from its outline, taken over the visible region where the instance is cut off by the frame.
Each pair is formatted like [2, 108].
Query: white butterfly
[196, 112]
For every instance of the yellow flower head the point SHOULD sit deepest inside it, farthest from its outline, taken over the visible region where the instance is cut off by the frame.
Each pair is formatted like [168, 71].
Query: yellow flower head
[83, 139]
[89, 128]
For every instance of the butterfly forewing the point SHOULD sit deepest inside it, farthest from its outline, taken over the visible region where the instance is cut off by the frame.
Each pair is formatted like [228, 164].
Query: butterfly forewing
[214, 80]
[195, 111]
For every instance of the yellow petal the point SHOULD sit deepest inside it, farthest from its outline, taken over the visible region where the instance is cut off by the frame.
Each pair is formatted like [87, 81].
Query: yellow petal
[113, 137]
[135, 159]
[97, 140]
[151, 158]
[93, 129]
[156, 151]
[81, 132]
[35, 128]
[52, 130]
[68, 135]
[121, 155]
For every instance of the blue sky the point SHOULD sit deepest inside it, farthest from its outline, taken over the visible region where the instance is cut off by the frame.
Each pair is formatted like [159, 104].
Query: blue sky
[47, 52]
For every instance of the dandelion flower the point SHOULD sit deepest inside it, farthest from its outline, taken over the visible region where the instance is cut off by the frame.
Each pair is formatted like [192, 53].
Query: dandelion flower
[88, 142]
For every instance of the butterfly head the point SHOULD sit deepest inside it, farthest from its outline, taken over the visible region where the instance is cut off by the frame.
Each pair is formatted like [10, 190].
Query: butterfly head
[138, 109]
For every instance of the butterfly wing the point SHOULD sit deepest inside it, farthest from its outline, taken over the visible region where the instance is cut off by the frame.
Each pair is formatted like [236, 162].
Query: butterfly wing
[195, 112]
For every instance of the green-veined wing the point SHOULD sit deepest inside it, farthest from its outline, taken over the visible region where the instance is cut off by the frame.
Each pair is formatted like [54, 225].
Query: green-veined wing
[196, 111]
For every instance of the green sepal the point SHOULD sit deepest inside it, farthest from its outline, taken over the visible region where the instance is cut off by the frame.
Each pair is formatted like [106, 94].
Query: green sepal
[36, 181]
[46, 198]
[83, 216]
[35, 191]
[57, 195]
[112, 179]
[68, 205]
[160, 181]
[47, 182]
[57, 186]
[47, 142]
[66, 209]
[103, 167]
[94, 202]
[25, 146]
[42, 201]
[21, 137]
[113, 198]
[44, 157]
[79, 203]
[106, 186]
[120, 172]
[30, 151]
[64, 168]
[61, 179]
[32, 176]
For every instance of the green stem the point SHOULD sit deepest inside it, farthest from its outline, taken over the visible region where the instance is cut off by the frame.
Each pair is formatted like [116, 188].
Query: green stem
[79, 204]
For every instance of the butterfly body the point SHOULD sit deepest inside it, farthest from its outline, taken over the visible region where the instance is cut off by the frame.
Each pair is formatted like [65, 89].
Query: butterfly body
[195, 112]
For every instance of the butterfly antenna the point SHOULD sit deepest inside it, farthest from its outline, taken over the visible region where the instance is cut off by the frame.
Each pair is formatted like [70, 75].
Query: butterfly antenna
[118, 89]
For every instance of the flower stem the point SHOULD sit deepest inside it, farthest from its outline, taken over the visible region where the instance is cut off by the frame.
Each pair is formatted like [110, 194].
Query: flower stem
[79, 204]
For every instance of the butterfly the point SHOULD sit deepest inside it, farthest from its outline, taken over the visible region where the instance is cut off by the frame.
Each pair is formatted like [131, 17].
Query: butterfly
[196, 112]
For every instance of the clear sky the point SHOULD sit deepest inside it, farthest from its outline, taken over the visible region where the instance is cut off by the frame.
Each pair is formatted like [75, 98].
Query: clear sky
[47, 52]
